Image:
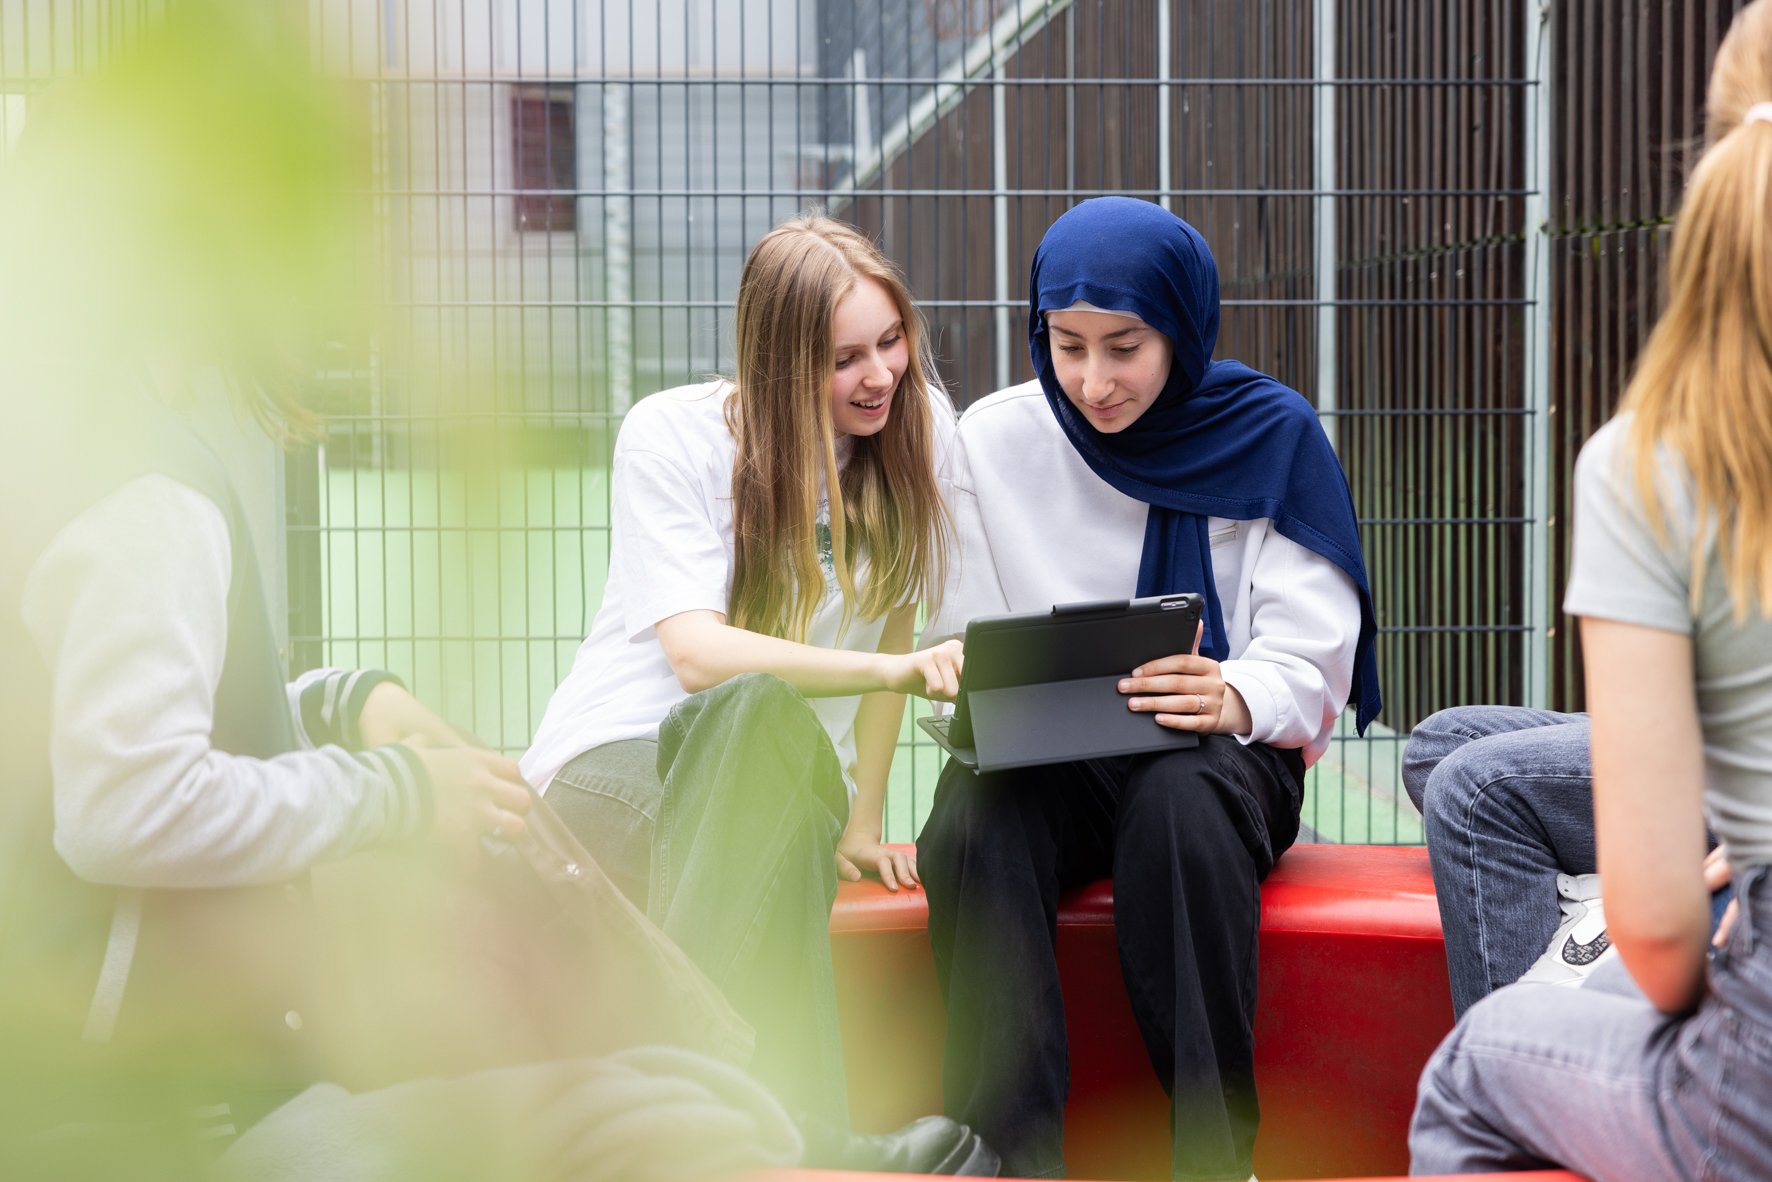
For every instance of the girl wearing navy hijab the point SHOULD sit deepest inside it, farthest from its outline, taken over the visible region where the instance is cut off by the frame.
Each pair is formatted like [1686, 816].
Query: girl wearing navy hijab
[1137, 465]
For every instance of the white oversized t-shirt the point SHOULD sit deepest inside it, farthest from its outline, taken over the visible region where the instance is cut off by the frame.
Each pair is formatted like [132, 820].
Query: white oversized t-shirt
[671, 551]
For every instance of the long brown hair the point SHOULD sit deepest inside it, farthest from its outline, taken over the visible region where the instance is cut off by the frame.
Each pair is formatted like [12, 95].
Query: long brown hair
[1704, 384]
[886, 506]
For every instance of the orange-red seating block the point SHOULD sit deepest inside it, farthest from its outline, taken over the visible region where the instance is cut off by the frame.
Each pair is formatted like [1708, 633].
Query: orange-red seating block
[1353, 1000]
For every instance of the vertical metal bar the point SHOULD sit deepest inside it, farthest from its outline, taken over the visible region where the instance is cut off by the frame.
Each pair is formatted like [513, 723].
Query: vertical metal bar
[1163, 75]
[1323, 150]
[1000, 210]
[618, 282]
[1070, 99]
[861, 144]
[1537, 351]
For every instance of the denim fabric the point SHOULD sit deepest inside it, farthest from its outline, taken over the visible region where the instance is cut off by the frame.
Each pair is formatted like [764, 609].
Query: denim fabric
[1506, 799]
[1599, 1081]
[613, 792]
[1187, 836]
[732, 833]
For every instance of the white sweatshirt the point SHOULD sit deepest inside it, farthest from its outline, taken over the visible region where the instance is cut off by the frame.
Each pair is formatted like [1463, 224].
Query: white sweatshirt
[1038, 527]
[128, 608]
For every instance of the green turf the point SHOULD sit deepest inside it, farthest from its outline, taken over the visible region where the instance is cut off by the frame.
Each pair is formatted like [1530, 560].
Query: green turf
[1355, 792]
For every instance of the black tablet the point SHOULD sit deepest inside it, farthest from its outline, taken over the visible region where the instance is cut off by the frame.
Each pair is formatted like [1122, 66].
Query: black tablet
[1043, 687]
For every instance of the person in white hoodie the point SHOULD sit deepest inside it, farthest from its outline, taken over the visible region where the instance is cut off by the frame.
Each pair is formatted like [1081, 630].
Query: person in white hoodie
[165, 791]
[1136, 466]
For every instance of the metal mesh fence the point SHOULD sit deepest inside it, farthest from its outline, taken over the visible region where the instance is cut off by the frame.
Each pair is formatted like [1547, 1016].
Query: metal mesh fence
[568, 191]
[565, 191]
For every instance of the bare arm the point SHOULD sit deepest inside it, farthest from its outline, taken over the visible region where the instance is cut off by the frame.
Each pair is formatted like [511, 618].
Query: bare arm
[1648, 756]
[705, 651]
[876, 740]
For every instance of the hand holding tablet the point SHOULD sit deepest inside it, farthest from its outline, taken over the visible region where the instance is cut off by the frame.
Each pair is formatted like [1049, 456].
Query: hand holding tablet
[1189, 693]
[1043, 687]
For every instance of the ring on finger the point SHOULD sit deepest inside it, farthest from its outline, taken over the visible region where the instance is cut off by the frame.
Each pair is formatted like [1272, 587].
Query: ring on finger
[1199, 703]
[498, 829]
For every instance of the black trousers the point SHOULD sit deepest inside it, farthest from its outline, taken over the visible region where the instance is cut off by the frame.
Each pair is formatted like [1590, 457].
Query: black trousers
[1187, 837]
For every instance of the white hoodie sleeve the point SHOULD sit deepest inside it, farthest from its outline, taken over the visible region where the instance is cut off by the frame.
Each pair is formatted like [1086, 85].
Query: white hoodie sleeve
[1304, 628]
[128, 608]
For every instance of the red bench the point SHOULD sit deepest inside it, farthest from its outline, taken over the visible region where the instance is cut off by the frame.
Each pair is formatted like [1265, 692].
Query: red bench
[1353, 1000]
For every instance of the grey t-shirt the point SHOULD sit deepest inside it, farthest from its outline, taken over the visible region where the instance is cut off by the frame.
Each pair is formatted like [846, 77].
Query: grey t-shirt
[1622, 570]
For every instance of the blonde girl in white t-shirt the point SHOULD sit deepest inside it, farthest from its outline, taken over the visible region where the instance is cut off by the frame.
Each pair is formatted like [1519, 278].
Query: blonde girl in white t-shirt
[723, 742]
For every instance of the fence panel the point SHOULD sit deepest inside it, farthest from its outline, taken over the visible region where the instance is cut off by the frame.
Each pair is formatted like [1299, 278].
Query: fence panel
[1629, 124]
[566, 190]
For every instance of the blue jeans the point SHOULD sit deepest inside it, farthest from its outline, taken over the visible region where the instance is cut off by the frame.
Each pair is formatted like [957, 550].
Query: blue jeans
[1506, 799]
[1599, 1081]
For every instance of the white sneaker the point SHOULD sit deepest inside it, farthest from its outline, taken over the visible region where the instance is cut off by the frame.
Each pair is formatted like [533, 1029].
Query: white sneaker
[1580, 945]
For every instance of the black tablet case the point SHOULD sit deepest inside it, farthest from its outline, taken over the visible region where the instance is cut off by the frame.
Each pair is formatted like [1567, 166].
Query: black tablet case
[1042, 687]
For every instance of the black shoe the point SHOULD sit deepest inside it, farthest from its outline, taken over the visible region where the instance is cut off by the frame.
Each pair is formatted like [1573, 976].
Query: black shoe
[932, 1145]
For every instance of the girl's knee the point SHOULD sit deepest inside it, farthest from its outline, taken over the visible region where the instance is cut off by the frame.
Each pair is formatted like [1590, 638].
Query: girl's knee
[1176, 786]
[761, 689]
[1457, 783]
[1454, 720]
[1187, 806]
[1434, 740]
[966, 802]
[972, 815]
[762, 700]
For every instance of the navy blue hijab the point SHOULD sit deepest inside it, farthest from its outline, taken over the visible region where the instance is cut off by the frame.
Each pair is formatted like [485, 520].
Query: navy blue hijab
[1220, 441]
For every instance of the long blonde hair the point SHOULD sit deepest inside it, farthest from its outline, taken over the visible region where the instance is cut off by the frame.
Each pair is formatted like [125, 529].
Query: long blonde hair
[886, 505]
[1703, 386]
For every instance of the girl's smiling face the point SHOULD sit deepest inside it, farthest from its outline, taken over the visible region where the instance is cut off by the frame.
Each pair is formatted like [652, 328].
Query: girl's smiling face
[1110, 365]
[871, 355]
